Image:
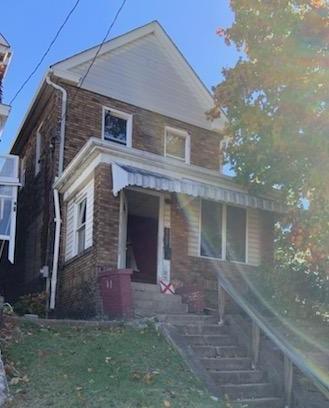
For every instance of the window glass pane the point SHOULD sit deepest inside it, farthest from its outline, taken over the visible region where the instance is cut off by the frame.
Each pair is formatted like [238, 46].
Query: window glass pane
[5, 215]
[175, 145]
[211, 229]
[82, 212]
[236, 234]
[115, 128]
[81, 239]
[8, 167]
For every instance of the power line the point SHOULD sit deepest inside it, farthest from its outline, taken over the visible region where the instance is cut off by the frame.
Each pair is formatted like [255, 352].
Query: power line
[108, 32]
[102, 43]
[46, 52]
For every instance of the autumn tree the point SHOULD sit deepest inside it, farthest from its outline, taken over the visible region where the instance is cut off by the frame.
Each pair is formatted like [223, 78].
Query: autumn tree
[276, 100]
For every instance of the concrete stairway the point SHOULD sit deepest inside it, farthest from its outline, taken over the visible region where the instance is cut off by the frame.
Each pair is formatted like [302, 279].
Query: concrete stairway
[227, 364]
[149, 301]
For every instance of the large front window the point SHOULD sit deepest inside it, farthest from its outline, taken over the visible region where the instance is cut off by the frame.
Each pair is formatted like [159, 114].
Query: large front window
[211, 229]
[223, 231]
[117, 127]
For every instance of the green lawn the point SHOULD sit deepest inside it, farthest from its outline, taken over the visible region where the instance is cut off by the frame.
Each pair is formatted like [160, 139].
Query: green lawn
[89, 367]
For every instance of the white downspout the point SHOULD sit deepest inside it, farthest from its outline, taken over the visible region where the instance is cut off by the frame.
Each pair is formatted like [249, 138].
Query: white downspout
[63, 122]
[57, 219]
[56, 251]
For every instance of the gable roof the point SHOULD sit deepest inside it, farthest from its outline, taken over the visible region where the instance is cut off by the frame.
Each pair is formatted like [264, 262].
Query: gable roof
[145, 68]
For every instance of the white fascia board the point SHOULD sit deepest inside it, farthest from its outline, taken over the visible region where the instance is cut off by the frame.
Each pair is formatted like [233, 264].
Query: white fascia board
[113, 152]
[66, 75]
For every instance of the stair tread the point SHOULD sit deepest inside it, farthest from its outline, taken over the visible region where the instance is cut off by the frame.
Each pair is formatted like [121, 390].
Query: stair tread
[246, 384]
[239, 371]
[260, 399]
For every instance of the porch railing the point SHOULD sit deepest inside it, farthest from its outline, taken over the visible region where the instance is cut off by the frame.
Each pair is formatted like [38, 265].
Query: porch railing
[292, 357]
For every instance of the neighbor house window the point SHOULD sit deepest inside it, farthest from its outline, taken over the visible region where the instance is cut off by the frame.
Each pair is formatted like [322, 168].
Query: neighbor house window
[22, 171]
[223, 231]
[177, 144]
[117, 127]
[236, 226]
[81, 225]
[211, 229]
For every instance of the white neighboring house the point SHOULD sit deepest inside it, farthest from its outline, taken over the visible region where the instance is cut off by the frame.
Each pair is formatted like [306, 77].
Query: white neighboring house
[9, 165]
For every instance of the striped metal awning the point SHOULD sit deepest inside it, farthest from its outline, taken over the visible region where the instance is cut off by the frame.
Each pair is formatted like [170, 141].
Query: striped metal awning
[124, 176]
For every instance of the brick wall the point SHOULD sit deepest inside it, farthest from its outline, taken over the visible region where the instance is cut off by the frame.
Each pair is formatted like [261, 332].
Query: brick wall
[78, 293]
[85, 120]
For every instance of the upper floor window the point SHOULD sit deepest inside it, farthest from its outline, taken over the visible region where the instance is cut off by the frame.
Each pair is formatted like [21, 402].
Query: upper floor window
[117, 126]
[177, 144]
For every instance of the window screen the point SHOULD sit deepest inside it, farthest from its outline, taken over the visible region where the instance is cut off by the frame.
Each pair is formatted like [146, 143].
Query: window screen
[236, 234]
[175, 145]
[211, 229]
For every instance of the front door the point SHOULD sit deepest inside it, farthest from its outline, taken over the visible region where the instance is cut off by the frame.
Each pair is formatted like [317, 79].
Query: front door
[142, 236]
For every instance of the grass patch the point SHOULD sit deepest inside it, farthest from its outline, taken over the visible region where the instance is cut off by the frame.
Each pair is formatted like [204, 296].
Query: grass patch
[98, 367]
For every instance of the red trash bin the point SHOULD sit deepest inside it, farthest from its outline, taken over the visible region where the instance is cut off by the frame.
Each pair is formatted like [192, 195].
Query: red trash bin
[116, 293]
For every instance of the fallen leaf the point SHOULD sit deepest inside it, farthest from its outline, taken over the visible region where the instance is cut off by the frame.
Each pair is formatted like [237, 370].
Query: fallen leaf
[166, 404]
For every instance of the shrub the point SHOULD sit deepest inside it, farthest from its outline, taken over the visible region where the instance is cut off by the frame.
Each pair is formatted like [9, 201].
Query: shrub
[33, 303]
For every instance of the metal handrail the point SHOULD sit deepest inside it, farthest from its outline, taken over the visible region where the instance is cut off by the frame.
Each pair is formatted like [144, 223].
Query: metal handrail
[292, 357]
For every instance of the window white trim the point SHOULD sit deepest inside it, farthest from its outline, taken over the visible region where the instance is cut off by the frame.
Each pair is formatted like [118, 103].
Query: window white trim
[224, 234]
[181, 133]
[119, 114]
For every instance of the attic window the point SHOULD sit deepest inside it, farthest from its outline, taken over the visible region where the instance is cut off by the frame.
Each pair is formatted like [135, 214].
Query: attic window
[117, 127]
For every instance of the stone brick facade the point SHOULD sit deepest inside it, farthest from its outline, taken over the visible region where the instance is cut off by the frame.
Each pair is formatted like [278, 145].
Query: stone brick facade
[78, 294]
[85, 118]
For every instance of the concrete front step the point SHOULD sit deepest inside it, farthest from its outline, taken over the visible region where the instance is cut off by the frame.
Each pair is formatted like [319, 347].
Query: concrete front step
[242, 391]
[237, 376]
[270, 402]
[188, 318]
[146, 295]
[145, 287]
[219, 351]
[202, 329]
[150, 308]
[227, 363]
[209, 339]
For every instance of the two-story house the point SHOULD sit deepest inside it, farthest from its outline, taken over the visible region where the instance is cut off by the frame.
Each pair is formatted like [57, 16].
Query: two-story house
[120, 168]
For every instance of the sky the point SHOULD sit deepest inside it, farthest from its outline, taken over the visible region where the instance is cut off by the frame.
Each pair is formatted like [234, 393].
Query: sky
[30, 25]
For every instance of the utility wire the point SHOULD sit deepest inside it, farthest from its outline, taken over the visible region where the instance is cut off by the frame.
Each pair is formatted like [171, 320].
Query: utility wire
[99, 48]
[46, 52]
[102, 43]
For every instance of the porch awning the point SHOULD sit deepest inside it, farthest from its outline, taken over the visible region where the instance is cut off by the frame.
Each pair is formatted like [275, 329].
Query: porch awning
[124, 176]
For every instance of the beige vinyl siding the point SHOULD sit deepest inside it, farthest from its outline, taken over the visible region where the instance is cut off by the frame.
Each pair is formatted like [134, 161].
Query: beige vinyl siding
[70, 221]
[143, 73]
[254, 234]
[88, 192]
[193, 213]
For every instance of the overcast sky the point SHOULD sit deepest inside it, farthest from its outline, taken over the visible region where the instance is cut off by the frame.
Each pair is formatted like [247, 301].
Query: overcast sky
[30, 25]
